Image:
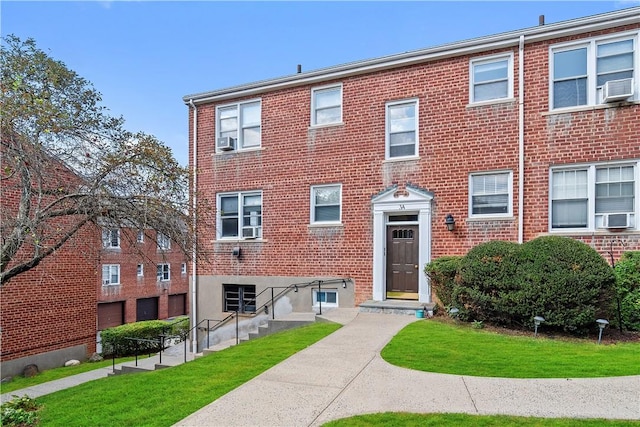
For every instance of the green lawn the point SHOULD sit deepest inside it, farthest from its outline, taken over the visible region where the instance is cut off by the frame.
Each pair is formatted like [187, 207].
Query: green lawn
[439, 346]
[164, 397]
[389, 419]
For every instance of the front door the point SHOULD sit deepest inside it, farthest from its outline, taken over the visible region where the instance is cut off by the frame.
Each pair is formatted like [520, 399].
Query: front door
[402, 261]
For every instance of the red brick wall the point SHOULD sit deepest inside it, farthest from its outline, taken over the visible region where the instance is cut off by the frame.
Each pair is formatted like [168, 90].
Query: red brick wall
[454, 140]
[132, 287]
[52, 306]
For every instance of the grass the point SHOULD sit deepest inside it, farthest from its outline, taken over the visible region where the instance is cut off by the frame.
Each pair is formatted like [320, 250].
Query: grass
[389, 419]
[438, 346]
[19, 382]
[162, 398]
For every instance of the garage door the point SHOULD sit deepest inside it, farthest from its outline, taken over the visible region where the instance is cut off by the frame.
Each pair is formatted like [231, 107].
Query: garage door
[110, 315]
[147, 309]
[177, 305]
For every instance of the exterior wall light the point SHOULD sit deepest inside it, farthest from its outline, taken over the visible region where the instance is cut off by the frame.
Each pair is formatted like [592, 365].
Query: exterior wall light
[236, 252]
[602, 323]
[450, 222]
[537, 320]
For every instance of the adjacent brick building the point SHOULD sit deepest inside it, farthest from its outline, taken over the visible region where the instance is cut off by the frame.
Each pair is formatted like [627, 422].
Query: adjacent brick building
[353, 171]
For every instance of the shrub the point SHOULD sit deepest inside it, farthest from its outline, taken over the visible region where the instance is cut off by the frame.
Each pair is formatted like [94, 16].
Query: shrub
[19, 412]
[442, 274]
[141, 337]
[627, 271]
[561, 279]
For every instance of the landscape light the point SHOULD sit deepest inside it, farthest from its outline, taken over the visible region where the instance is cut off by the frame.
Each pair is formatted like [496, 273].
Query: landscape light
[537, 320]
[602, 323]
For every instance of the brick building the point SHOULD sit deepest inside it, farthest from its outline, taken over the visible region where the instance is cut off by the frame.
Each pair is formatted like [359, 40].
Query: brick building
[358, 171]
[142, 277]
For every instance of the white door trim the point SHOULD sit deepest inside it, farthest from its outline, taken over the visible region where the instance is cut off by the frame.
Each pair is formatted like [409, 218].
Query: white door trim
[388, 202]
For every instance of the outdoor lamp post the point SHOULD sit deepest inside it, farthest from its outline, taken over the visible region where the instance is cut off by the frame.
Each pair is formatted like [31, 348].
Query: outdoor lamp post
[602, 323]
[537, 320]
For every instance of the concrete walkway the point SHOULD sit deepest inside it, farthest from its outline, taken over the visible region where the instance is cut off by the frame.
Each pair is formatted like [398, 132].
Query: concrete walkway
[343, 375]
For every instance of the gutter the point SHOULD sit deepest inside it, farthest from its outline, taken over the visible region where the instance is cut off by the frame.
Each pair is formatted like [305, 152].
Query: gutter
[521, 140]
[194, 264]
[471, 46]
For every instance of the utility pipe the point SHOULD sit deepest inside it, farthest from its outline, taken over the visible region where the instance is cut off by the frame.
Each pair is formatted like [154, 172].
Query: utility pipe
[194, 265]
[521, 140]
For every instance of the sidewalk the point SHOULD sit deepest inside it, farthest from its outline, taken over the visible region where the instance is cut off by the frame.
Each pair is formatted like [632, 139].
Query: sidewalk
[343, 375]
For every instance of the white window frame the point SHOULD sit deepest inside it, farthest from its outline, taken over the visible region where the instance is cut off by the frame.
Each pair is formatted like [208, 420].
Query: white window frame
[240, 215]
[315, 109]
[387, 132]
[324, 303]
[594, 92]
[509, 212]
[114, 269]
[490, 60]
[140, 270]
[108, 238]
[183, 268]
[163, 241]
[140, 236]
[593, 219]
[163, 272]
[313, 205]
[241, 123]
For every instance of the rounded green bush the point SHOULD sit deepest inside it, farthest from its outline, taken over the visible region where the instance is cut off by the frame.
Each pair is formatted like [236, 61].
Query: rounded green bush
[442, 275]
[627, 271]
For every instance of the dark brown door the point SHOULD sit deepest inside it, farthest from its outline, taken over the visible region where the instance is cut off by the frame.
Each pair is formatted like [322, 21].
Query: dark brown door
[177, 305]
[110, 315]
[402, 261]
[146, 309]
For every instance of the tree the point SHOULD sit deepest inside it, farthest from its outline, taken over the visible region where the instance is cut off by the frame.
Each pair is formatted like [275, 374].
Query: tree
[67, 164]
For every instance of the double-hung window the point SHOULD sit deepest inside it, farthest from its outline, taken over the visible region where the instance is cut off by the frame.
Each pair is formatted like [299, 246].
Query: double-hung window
[239, 126]
[164, 242]
[600, 196]
[163, 272]
[240, 215]
[111, 238]
[402, 129]
[140, 270]
[491, 78]
[579, 71]
[110, 274]
[326, 105]
[326, 204]
[490, 194]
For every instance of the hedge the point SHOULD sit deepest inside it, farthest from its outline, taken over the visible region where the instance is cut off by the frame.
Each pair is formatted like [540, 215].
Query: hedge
[627, 271]
[142, 337]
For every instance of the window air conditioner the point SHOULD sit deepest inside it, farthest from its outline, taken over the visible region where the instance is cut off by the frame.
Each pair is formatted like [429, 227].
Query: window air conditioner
[617, 220]
[225, 143]
[250, 232]
[617, 90]
[105, 282]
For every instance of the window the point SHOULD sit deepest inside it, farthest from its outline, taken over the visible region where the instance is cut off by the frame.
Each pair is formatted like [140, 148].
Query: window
[111, 274]
[240, 298]
[402, 129]
[328, 298]
[111, 238]
[140, 237]
[163, 272]
[491, 78]
[242, 123]
[326, 202]
[594, 197]
[579, 71]
[490, 194]
[240, 214]
[326, 105]
[164, 242]
[183, 268]
[140, 270]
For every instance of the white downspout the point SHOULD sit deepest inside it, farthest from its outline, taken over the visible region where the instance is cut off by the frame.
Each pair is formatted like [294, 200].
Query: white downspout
[194, 289]
[521, 140]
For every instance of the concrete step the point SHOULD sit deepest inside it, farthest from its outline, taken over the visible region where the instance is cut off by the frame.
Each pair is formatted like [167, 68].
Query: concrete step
[391, 306]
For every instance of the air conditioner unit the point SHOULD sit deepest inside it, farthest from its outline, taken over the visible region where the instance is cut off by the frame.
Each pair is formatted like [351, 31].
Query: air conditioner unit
[105, 282]
[616, 220]
[226, 143]
[250, 232]
[617, 90]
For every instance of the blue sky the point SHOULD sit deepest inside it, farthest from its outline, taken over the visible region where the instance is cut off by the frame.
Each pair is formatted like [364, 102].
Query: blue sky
[144, 56]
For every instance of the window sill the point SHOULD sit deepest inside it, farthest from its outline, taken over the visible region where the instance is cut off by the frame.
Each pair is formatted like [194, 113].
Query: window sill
[597, 232]
[325, 225]
[490, 218]
[244, 150]
[590, 107]
[401, 159]
[326, 125]
[491, 102]
[239, 241]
